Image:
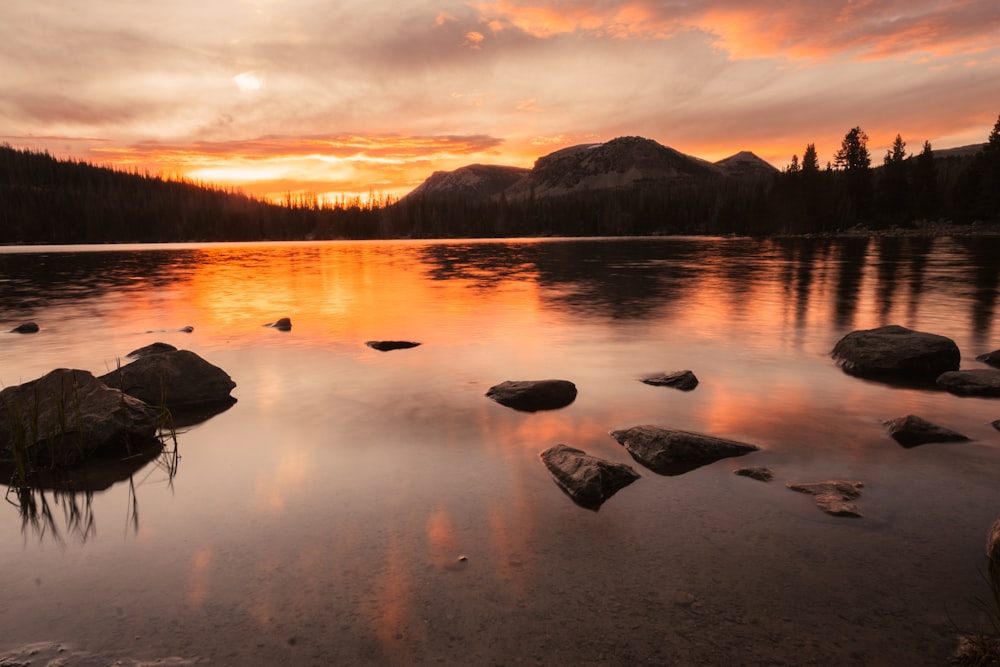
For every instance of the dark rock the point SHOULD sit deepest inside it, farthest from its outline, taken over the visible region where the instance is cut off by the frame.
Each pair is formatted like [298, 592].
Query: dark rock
[896, 351]
[387, 345]
[996, 424]
[683, 380]
[833, 497]
[152, 348]
[673, 452]
[993, 544]
[26, 328]
[761, 474]
[178, 379]
[588, 480]
[911, 431]
[533, 395]
[187, 329]
[284, 324]
[67, 416]
[980, 382]
[991, 358]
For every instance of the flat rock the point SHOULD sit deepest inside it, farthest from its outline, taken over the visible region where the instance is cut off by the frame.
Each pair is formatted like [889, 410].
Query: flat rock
[991, 358]
[896, 351]
[834, 496]
[587, 479]
[683, 380]
[911, 431]
[674, 452]
[176, 379]
[26, 328]
[152, 348]
[979, 382]
[533, 395]
[758, 473]
[387, 345]
[67, 416]
[284, 324]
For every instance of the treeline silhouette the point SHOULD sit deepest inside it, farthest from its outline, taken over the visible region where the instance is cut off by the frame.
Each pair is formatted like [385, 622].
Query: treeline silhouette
[45, 200]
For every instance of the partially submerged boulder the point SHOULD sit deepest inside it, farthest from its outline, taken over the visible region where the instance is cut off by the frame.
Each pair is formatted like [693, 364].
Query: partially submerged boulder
[26, 328]
[991, 358]
[152, 348]
[758, 473]
[895, 351]
[683, 380]
[67, 416]
[979, 382]
[587, 479]
[533, 395]
[283, 324]
[833, 497]
[910, 431]
[673, 452]
[175, 379]
[387, 345]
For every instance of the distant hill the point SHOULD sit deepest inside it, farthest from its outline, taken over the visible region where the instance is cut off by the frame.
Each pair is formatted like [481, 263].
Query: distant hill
[474, 181]
[745, 165]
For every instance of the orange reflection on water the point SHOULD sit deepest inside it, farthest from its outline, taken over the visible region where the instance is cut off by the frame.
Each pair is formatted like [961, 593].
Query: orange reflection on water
[198, 577]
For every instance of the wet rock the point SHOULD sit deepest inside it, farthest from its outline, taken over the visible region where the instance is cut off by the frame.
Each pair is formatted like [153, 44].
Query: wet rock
[896, 351]
[67, 416]
[187, 329]
[996, 424]
[991, 358]
[152, 348]
[683, 380]
[758, 473]
[26, 328]
[284, 324]
[911, 431]
[993, 544]
[587, 479]
[674, 452]
[980, 382]
[533, 395]
[387, 345]
[834, 496]
[177, 379]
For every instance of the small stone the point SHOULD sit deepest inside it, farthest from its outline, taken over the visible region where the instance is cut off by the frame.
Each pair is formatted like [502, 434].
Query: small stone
[683, 380]
[533, 395]
[284, 324]
[462, 558]
[758, 473]
[833, 497]
[387, 345]
[26, 328]
[911, 431]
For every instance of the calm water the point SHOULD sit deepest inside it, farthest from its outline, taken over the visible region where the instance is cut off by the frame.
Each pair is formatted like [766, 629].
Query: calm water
[320, 520]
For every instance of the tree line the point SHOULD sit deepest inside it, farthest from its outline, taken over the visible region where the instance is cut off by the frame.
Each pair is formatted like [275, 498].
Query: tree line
[45, 200]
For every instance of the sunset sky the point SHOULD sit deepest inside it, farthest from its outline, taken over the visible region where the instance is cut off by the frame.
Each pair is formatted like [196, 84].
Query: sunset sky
[305, 96]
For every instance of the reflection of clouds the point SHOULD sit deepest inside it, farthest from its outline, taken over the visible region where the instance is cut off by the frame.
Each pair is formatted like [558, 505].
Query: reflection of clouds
[199, 577]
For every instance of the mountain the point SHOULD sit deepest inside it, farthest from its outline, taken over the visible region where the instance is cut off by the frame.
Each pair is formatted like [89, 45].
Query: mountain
[475, 181]
[745, 165]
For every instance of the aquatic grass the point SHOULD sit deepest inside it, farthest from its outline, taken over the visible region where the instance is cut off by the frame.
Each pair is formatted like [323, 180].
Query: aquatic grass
[981, 647]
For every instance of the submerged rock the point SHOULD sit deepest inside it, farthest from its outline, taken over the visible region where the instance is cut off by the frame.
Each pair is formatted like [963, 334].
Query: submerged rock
[911, 431]
[587, 479]
[674, 452]
[387, 345]
[152, 348]
[683, 380]
[284, 324]
[758, 473]
[26, 328]
[834, 496]
[991, 358]
[533, 395]
[67, 416]
[176, 379]
[980, 382]
[896, 351]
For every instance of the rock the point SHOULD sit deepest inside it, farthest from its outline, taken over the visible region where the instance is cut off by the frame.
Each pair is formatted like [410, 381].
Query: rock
[284, 324]
[896, 351]
[996, 424]
[152, 348]
[533, 395]
[911, 431]
[993, 544]
[387, 345]
[26, 328]
[588, 480]
[761, 474]
[980, 382]
[991, 358]
[683, 380]
[673, 452]
[833, 497]
[178, 379]
[68, 415]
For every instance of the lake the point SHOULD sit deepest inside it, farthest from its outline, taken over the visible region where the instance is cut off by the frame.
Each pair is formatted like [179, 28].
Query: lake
[358, 507]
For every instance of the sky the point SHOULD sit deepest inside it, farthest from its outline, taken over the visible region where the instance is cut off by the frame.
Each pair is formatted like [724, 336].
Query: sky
[351, 98]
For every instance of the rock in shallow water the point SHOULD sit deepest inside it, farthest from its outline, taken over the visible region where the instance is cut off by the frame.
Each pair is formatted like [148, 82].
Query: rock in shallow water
[981, 382]
[176, 379]
[533, 395]
[834, 496]
[26, 328]
[283, 324]
[760, 474]
[896, 351]
[683, 380]
[587, 479]
[387, 345]
[911, 431]
[991, 358]
[674, 452]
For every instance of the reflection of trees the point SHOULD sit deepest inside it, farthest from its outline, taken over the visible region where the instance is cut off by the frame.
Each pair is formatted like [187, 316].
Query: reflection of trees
[984, 265]
[852, 253]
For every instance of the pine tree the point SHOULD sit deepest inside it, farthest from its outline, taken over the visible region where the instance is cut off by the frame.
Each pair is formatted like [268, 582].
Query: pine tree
[855, 161]
[810, 163]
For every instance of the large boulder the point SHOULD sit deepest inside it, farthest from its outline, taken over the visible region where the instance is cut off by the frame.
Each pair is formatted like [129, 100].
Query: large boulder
[674, 452]
[979, 382]
[533, 395]
[174, 379]
[66, 416]
[991, 358]
[683, 380]
[911, 431]
[834, 497]
[895, 351]
[587, 479]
